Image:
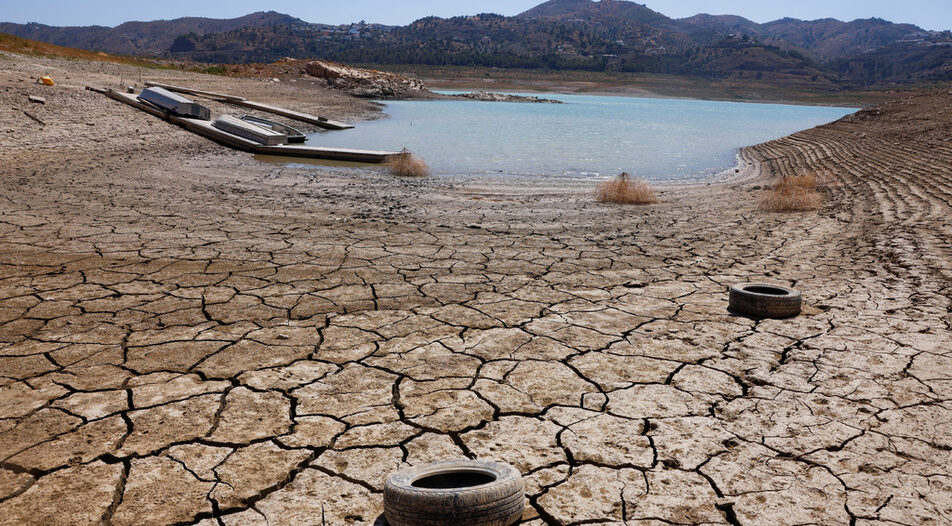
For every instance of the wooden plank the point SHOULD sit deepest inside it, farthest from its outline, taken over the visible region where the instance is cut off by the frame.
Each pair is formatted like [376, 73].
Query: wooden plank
[36, 100]
[323, 122]
[181, 89]
[34, 117]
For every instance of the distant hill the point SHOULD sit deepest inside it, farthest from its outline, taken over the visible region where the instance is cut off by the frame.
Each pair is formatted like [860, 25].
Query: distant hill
[141, 38]
[705, 27]
[609, 35]
[15, 44]
[829, 38]
[567, 10]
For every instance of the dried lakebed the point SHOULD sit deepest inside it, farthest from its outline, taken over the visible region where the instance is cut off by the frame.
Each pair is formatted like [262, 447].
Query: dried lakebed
[188, 336]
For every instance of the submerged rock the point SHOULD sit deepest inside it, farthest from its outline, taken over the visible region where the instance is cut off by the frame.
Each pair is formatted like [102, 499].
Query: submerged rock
[488, 96]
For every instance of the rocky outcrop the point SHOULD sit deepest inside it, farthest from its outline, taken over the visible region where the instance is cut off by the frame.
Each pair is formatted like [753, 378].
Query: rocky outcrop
[488, 96]
[365, 82]
[372, 84]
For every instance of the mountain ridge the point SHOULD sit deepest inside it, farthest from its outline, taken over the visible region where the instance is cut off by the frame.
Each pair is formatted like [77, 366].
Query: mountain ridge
[611, 35]
[140, 37]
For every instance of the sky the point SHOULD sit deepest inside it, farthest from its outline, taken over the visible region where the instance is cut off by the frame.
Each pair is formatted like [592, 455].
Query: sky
[929, 14]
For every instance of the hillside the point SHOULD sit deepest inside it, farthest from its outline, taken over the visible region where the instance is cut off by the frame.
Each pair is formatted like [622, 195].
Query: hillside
[829, 38]
[141, 38]
[568, 10]
[610, 35]
[24, 46]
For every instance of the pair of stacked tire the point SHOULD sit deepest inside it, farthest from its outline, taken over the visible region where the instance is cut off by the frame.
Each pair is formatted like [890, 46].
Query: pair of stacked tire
[455, 493]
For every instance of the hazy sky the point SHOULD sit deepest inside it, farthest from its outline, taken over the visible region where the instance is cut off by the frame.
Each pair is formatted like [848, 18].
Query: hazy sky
[930, 14]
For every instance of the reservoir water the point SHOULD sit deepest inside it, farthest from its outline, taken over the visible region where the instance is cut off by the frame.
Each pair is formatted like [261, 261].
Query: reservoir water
[598, 136]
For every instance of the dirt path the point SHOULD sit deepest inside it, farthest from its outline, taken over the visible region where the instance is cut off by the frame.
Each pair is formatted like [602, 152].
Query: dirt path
[190, 336]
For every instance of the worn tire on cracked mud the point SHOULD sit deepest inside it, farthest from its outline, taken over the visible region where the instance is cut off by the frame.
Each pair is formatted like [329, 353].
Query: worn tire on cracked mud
[460, 493]
[759, 300]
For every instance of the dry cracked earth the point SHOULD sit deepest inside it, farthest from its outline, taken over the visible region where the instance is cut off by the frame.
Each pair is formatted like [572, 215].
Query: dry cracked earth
[191, 336]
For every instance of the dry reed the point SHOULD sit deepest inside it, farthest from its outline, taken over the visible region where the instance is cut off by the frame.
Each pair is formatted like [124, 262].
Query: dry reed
[795, 193]
[405, 164]
[625, 190]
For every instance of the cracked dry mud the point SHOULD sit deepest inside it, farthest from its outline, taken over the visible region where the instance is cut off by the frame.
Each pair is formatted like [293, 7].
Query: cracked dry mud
[191, 336]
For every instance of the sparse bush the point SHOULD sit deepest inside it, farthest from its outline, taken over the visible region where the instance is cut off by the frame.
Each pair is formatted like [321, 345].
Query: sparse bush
[625, 190]
[405, 164]
[215, 70]
[794, 193]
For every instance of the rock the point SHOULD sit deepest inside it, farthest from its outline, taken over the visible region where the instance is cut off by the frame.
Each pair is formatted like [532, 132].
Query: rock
[487, 96]
[364, 82]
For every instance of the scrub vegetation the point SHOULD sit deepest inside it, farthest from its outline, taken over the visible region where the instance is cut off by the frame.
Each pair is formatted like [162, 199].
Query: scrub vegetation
[794, 193]
[625, 190]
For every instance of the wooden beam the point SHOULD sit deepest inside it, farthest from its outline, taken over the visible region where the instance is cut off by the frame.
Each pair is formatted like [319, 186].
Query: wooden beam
[34, 117]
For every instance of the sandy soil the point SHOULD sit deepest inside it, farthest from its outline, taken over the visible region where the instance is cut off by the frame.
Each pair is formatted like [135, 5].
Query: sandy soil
[191, 336]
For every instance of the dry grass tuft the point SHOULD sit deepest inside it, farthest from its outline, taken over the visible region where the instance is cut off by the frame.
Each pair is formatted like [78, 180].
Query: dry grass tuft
[625, 190]
[794, 193]
[405, 164]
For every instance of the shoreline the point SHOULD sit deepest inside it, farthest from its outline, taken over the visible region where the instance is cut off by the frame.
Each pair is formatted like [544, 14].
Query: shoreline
[648, 95]
[650, 90]
[191, 335]
[448, 85]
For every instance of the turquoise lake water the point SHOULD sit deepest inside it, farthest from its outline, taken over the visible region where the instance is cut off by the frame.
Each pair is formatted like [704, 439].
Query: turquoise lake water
[658, 139]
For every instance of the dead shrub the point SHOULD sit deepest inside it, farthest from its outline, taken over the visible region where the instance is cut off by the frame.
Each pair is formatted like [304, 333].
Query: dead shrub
[793, 193]
[405, 164]
[625, 190]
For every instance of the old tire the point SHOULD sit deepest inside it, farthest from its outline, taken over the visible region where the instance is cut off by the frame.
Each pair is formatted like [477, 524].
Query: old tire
[759, 300]
[460, 493]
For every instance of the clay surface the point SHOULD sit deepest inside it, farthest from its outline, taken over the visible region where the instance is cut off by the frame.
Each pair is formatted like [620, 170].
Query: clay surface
[189, 335]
